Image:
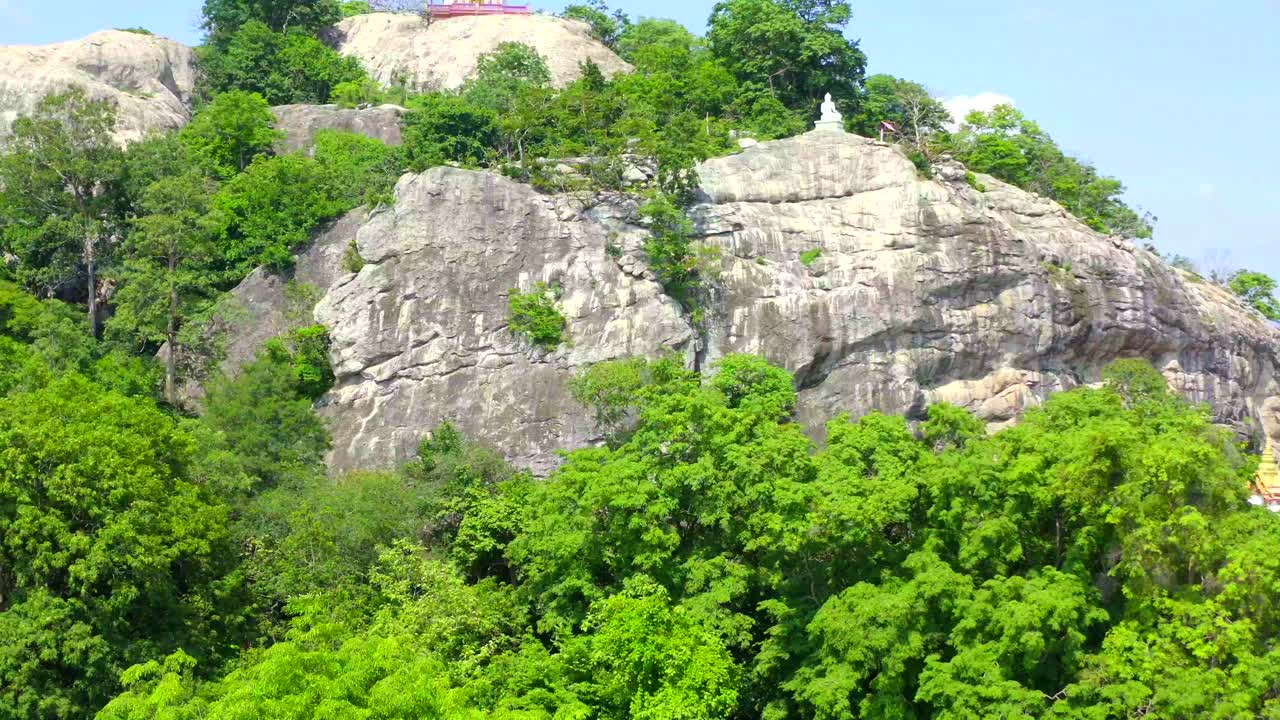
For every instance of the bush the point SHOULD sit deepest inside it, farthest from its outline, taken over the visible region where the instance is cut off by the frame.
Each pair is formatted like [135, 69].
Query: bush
[535, 317]
[809, 257]
[362, 91]
[442, 129]
[352, 262]
[360, 170]
[272, 208]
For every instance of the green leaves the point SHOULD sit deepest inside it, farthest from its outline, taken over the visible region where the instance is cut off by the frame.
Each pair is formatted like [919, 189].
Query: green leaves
[795, 47]
[1258, 291]
[271, 208]
[445, 128]
[100, 525]
[1007, 145]
[282, 66]
[534, 316]
[226, 135]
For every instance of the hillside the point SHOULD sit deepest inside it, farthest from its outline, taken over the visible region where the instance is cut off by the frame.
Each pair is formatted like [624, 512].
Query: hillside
[581, 367]
[924, 291]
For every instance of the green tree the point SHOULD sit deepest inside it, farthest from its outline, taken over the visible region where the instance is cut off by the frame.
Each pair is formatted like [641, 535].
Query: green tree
[1258, 291]
[56, 194]
[168, 272]
[283, 67]
[606, 27]
[271, 208]
[110, 554]
[657, 662]
[502, 75]
[796, 48]
[1005, 144]
[919, 117]
[227, 135]
[222, 18]
[445, 128]
[264, 417]
[361, 170]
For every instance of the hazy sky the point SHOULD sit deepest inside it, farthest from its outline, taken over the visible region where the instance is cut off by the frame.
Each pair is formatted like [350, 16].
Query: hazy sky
[1179, 99]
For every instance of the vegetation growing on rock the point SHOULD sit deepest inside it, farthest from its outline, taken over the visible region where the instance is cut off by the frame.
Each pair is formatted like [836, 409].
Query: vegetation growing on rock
[534, 316]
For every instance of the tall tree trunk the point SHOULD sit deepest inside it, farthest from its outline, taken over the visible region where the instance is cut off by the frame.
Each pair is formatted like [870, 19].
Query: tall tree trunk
[91, 269]
[171, 335]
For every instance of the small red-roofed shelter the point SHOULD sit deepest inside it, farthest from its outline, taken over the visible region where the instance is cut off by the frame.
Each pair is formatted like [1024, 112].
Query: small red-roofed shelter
[441, 9]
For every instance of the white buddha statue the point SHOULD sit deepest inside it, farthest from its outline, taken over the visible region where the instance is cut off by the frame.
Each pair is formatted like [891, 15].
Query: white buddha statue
[829, 111]
[831, 120]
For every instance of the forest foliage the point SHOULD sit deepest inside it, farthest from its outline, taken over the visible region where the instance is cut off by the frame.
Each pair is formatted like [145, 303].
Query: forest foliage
[708, 560]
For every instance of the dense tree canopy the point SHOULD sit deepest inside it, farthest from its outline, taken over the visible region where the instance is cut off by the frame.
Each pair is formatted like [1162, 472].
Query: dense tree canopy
[795, 47]
[1004, 143]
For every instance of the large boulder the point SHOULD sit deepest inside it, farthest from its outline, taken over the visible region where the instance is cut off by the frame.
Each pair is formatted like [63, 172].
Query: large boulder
[443, 54]
[150, 79]
[929, 290]
[300, 123]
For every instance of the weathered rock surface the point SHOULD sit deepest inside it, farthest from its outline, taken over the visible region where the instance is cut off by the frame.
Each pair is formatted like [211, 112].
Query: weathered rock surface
[400, 47]
[929, 290]
[149, 79]
[420, 333]
[300, 123]
[925, 291]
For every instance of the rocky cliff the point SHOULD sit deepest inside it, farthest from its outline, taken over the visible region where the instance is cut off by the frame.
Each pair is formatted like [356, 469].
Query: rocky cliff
[441, 55]
[149, 79]
[922, 290]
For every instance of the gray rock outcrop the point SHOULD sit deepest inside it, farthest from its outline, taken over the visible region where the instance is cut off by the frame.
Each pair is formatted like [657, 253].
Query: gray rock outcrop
[928, 290]
[150, 79]
[420, 333]
[922, 290]
[300, 123]
[442, 55]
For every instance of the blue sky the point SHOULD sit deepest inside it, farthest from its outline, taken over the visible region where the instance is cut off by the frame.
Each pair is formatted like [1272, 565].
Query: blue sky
[1179, 99]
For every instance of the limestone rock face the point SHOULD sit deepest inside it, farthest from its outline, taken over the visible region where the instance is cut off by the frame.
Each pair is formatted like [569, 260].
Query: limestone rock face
[928, 290]
[443, 54]
[922, 291]
[150, 79]
[420, 333]
[300, 123]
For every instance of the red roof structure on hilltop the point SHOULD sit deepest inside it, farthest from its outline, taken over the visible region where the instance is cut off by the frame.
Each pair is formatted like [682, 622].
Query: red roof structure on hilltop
[455, 8]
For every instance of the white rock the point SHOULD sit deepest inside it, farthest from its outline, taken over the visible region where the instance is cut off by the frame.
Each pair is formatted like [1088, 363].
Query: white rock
[443, 54]
[150, 79]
